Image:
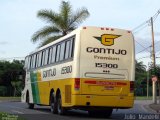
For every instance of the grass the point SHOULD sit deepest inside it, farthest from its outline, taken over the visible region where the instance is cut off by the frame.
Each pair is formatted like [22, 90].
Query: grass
[143, 98]
[6, 116]
[10, 98]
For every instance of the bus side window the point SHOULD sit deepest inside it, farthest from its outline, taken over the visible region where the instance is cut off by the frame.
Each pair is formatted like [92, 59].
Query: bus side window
[40, 59]
[37, 59]
[53, 54]
[67, 49]
[50, 55]
[31, 62]
[46, 57]
[30, 67]
[43, 57]
[71, 50]
[34, 61]
[62, 51]
[58, 53]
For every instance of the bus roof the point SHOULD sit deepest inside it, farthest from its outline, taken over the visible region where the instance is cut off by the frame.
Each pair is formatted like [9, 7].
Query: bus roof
[73, 32]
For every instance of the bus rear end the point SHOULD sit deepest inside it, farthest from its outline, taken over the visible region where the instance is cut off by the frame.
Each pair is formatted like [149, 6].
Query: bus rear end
[106, 68]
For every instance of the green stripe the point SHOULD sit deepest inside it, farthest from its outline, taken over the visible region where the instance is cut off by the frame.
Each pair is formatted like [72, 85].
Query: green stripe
[35, 90]
[98, 38]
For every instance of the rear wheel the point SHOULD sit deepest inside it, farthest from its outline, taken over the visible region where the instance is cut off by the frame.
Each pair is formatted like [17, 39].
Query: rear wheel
[61, 110]
[109, 112]
[30, 105]
[53, 104]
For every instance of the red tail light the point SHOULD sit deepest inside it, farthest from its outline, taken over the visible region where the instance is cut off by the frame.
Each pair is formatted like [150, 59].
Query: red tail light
[77, 83]
[132, 86]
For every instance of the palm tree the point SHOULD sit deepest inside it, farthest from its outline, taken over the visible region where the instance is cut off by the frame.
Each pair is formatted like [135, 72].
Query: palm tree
[140, 67]
[59, 23]
[140, 71]
[140, 75]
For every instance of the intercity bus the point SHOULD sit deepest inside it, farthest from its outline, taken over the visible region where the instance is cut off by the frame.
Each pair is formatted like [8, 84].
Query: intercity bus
[91, 68]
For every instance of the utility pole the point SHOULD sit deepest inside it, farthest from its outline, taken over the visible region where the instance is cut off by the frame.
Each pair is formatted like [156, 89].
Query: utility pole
[148, 81]
[154, 65]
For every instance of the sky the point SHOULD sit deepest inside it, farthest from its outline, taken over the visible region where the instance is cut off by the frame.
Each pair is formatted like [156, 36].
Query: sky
[18, 22]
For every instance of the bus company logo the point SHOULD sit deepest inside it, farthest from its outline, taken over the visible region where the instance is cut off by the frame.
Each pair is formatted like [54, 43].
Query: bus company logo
[107, 39]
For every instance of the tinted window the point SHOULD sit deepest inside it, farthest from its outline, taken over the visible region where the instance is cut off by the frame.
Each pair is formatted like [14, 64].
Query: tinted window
[50, 55]
[37, 59]
[43, 58]
[62, 51]
[40, 58]
[54, 54]
[34, 61]
[31, 62]
[67, 49]
[71, 48]
[46, 57]
[58, 53]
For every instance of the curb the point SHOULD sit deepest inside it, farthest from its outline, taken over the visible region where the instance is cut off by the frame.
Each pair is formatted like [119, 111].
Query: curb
[10, 101]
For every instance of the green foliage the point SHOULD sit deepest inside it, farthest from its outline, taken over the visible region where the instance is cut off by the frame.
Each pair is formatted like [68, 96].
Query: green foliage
[140, 75]
[9, 73]
[141, 78]
[60, 23]
[3, 90]
[155, 71]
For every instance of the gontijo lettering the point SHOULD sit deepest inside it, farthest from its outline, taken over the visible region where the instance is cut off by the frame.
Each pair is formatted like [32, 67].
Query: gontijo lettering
[106, 50]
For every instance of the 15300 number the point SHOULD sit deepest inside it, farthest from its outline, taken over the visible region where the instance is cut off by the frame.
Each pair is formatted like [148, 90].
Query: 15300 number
[66, 69]
[106, 65]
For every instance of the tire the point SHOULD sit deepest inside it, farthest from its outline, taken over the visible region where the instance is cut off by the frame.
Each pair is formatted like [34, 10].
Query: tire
[30, 105]
[108, 112]
[61, 110]
[53, 104]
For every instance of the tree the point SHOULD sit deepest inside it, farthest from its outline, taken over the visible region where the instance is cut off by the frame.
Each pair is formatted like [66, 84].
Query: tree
[140, 67]
[140, 75]
[140, 72]
[9, 75]
[60, 23]
[155, 71]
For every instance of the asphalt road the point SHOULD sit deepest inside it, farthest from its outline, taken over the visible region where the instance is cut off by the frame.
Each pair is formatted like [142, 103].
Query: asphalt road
[43, 112]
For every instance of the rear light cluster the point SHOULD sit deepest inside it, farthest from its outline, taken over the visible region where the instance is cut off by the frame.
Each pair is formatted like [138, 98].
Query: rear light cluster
[77, 83]
[132, 86]
[107, 29]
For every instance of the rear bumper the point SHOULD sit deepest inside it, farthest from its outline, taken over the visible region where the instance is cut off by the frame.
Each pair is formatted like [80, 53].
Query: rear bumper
[102, 101]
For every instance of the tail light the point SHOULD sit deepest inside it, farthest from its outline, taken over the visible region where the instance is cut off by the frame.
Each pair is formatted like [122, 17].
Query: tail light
[77, 83]
[132, 86]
